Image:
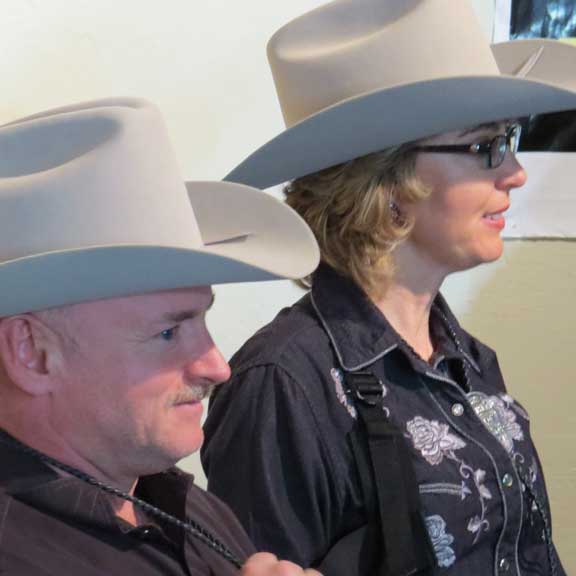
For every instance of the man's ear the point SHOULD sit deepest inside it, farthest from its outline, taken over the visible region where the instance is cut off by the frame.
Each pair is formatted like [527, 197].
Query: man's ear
[28, 348]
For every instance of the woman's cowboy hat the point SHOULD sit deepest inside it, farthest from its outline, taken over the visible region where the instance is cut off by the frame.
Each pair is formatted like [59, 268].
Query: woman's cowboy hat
[357, 76]
[92, 206]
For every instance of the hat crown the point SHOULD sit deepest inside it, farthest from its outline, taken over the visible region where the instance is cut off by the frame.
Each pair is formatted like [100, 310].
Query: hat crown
[91, 175]
[92, 206]
[352, 47]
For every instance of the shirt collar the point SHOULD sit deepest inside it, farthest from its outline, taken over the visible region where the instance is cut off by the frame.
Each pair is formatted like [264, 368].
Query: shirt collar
[28, 479]
[360, 333]
[446, 330]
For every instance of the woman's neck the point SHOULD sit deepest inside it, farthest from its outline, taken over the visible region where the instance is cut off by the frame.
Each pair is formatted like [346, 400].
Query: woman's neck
[409, 315]
[408, 300]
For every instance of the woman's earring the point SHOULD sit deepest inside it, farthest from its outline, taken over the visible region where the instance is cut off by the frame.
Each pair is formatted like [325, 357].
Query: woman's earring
[396, 214]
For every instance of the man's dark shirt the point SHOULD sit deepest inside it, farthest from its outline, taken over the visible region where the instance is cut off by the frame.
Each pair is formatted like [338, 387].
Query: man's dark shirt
[60, 526]
[284, 424]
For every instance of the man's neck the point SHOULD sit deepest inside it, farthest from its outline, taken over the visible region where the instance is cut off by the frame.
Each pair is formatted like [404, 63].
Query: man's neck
[128, 512]
[43, 439]
[65, 454]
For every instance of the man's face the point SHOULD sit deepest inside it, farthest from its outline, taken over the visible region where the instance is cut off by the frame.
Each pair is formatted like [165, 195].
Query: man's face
[132, 375]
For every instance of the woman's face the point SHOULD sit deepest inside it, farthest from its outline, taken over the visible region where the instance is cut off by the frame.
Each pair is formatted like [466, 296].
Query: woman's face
[459, 225]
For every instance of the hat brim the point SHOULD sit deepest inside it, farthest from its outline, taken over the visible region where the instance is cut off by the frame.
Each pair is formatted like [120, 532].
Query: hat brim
[252, 237]
[390, 117]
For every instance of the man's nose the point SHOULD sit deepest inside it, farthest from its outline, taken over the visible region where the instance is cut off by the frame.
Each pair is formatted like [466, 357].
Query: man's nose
[211, 365]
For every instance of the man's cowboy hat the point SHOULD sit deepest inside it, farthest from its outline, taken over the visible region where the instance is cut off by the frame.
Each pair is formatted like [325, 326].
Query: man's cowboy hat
[92, 206]
[356, 76]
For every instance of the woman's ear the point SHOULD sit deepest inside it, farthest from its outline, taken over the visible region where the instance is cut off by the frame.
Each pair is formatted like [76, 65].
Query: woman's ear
[28, 348]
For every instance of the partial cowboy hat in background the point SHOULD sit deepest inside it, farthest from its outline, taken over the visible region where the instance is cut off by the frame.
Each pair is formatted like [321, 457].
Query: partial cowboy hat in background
[92, 205]
[357, 76]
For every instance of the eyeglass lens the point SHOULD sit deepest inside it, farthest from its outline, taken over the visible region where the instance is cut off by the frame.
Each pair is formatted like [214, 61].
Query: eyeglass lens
[500, 144]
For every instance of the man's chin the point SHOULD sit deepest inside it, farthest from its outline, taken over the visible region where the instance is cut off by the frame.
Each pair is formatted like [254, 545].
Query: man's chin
[171, 450]
[186, 445]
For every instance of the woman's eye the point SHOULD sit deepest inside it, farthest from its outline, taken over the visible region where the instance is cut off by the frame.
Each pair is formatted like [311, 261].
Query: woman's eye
[168, 334]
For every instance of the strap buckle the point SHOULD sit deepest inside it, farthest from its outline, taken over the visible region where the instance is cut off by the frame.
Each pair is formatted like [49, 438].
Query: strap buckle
[366, 387]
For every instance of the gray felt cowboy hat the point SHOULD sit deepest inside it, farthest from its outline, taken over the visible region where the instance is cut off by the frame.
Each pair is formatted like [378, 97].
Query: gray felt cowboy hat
[92, 206]
[356, 76]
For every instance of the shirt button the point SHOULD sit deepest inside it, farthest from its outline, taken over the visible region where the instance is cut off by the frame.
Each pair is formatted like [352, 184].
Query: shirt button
[507, 480]
[144, 532]
[503, 565]
[457, 409]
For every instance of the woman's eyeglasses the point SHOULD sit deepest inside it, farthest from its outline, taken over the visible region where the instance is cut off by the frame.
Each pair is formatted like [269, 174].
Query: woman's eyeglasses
[493, 150]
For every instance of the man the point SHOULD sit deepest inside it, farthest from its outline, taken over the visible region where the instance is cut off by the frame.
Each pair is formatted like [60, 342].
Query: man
[106, 261]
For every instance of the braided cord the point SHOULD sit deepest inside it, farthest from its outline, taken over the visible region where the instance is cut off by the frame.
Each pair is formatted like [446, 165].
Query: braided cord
[545, 520]
[456, 340]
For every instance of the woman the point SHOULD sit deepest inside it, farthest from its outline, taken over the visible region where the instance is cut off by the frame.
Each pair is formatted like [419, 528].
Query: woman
[364, 419]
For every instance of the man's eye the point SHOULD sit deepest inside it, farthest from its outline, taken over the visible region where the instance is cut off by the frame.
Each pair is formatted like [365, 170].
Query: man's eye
[168, 334]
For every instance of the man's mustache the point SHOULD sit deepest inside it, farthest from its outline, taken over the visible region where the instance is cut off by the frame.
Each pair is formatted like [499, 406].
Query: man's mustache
[193, 393]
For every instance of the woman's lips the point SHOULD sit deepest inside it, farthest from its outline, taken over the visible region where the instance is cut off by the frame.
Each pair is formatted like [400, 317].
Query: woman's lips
[495, 219]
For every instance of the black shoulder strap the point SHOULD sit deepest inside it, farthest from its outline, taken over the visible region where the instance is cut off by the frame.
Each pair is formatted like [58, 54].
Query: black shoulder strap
[390, 483]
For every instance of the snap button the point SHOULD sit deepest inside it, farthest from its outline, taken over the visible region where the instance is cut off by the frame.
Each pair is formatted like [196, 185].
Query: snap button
[503, 565]
[457, 409]
[145, 532]
[507, 480]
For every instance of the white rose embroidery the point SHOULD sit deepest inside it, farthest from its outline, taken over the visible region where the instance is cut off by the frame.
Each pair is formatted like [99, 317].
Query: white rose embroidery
[433, 440]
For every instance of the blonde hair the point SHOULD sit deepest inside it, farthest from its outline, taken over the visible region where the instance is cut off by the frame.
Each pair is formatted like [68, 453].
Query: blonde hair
[357, 211]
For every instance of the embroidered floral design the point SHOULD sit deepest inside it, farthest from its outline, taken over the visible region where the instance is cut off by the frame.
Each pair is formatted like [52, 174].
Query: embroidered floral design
[533, 473]
[479, 476]
[475, 525]
[495, 414]
[341, 394]
[460, 490]
[433, 440]
[513, 404]
[441, 540]
[478, 523]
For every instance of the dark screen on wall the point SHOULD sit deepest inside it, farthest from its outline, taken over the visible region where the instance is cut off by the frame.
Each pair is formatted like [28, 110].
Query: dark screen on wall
[546, 19]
